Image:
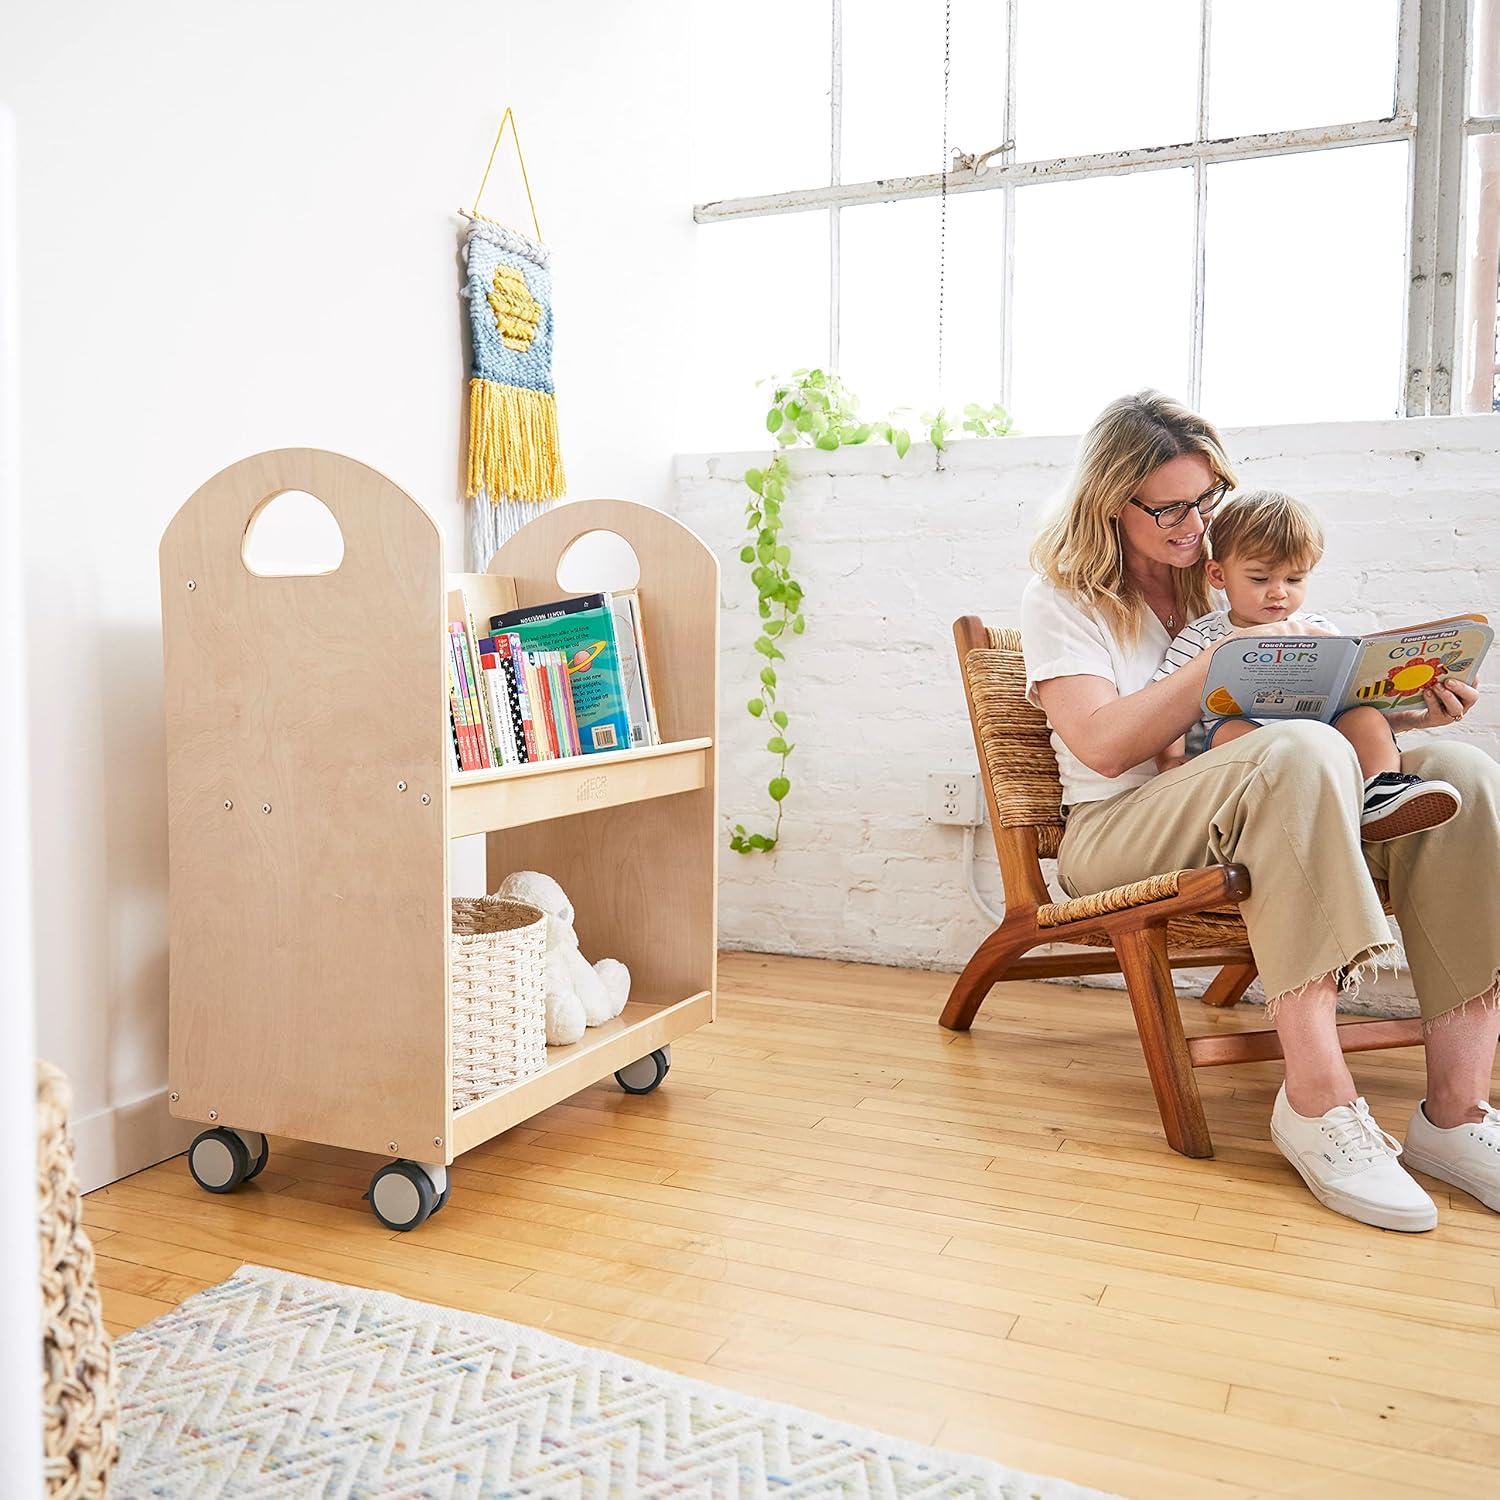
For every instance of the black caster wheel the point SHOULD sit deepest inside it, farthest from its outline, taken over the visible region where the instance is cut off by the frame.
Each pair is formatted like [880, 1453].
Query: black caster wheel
[443, 1196]
[219, 1160]
[402, 1195]
[259, 1164]
[645, 1074]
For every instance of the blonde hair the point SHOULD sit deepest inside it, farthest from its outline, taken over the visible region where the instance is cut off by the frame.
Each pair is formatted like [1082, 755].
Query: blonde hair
[1078, 549]
[1268, 526]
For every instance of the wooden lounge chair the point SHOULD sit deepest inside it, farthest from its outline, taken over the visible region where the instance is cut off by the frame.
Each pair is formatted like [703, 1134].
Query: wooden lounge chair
[1178, 919]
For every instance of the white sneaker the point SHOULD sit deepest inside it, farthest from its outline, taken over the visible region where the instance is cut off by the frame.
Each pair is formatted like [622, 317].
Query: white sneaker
[1468, 1155]
[1349, 1165]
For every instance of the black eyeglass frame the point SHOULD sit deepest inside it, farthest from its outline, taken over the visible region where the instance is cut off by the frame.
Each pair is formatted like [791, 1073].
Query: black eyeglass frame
[1210, 497]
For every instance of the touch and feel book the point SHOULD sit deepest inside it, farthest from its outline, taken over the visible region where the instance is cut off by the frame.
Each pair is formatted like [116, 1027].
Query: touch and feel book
[1318, 677]
[583, 631]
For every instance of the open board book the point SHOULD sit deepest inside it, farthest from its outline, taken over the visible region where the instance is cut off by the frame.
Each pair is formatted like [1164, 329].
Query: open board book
[1318, 677]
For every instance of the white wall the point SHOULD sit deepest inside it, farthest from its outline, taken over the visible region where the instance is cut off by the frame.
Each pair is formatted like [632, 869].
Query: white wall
[20, 1303]
[236, 232]
[890, 552]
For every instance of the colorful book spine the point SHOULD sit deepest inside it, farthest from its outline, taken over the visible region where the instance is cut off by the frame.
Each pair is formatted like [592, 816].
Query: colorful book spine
[458, 753]
[462, 719]
[469, 698]
[495, 698]
[469, 658]
[535, 659]
[567, 720]
[653, 719]
[586, 638]
[515, 662]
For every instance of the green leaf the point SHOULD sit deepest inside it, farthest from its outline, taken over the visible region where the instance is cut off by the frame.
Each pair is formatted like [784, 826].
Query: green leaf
[757, 707]
[747, 554]
[774, 418]
[903, 442]
[738, 844]
[761, 842]
[937, 434]
[799, 625]
[778, 787]
[754, 478]
[776, 745]
[775, 627]
[768, 676]
[780, 717]
[783, 555]
[828, 442]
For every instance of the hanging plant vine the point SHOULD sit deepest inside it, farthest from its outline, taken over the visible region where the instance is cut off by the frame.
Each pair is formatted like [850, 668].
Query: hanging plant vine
[812, 409]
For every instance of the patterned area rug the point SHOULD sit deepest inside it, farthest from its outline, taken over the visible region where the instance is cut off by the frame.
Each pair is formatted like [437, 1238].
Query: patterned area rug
[271, 1384]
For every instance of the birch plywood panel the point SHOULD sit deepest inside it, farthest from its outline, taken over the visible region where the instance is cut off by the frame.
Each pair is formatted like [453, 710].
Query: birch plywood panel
[309, 893]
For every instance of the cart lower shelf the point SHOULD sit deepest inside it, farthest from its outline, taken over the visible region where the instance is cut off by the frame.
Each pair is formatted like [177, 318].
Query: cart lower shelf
[636, 1047]
[639, 1029]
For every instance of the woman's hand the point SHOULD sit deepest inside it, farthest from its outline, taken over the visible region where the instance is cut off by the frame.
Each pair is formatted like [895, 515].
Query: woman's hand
[1445, 703]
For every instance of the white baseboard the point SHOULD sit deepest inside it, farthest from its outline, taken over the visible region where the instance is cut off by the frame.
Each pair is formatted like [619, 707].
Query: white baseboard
[112, 1143]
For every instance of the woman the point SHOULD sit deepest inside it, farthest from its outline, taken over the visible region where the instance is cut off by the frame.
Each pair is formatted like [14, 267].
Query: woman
[1121, 570]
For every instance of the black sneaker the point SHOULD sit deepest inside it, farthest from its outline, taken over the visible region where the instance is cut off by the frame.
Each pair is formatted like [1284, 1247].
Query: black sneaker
[1397, 804]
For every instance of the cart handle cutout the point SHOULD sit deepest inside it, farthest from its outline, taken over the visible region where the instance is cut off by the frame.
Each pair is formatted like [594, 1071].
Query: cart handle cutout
[292, 534]
[598, 562]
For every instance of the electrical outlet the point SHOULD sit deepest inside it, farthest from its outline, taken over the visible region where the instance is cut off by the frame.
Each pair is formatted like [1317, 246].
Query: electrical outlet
[953, 797]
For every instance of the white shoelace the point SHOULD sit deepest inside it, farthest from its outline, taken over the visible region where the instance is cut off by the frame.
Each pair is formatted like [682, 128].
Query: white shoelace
[1361, 1139]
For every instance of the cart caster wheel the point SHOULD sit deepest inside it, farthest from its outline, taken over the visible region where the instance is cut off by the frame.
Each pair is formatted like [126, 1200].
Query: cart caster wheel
[443, 1196]
[219, 1160]
[402, 1195]
[259, 1164]
[645, 1074]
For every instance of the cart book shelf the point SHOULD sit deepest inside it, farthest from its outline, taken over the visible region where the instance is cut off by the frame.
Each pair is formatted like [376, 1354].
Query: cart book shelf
[311, 802]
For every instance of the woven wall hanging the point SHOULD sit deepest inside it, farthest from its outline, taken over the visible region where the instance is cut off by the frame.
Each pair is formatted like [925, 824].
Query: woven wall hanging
[515, 460]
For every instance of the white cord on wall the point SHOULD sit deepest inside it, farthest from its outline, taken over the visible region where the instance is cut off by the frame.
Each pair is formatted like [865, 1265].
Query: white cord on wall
[971, 885]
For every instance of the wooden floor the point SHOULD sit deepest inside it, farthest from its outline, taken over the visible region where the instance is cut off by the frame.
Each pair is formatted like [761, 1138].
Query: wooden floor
[978, 1241]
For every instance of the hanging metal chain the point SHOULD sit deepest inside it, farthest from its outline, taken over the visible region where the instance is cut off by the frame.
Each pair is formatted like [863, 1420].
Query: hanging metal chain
[943, 199]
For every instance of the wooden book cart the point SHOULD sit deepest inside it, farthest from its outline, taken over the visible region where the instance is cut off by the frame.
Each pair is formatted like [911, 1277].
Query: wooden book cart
[311, 801]
[1180, 919]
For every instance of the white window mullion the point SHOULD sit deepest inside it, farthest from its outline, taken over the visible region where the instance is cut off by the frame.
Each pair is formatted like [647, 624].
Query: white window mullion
[835, 177]
[1008, 155]
[1450, 204]
[1200, 213]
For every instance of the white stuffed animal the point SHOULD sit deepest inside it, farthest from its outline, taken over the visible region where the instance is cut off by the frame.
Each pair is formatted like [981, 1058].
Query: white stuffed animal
[579, 994]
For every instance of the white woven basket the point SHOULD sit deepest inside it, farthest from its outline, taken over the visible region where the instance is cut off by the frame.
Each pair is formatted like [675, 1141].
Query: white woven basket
[498, 995]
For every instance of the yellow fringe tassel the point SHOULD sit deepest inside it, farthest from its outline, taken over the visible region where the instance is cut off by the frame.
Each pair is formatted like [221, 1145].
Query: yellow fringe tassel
[513, 445]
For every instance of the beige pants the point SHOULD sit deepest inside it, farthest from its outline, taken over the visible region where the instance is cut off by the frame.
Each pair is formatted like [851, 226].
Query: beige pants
[1285, 802]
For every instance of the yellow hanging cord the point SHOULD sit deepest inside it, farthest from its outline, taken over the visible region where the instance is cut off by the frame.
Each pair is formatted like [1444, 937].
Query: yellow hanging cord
[508, 118]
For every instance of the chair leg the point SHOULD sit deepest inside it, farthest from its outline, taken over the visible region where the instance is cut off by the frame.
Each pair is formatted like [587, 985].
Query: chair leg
[1229, 984]
[1143, 961]
[991, 959]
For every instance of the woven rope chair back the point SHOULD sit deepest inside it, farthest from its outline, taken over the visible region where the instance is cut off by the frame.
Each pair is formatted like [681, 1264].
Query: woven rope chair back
[1014, 743]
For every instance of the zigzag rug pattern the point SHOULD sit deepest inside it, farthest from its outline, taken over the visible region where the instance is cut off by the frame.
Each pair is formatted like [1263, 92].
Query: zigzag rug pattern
[271, 1384]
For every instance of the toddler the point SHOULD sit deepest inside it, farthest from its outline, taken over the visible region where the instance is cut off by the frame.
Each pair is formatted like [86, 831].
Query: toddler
[1264, 544]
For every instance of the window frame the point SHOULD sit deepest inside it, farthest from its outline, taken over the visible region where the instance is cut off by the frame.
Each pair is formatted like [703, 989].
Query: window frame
[1430, 113]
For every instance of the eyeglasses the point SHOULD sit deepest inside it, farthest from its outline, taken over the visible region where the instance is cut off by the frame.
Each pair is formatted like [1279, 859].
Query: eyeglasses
[1168, 516]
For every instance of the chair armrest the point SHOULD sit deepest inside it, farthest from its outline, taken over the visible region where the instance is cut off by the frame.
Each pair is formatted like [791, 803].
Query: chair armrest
[1178, 893]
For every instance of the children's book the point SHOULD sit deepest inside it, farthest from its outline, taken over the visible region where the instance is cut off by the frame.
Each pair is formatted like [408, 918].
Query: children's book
[1318, 677]
[586, 638]
[634, 677]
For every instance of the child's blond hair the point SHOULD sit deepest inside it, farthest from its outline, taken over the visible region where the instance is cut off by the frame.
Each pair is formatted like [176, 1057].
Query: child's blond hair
[1268, 526]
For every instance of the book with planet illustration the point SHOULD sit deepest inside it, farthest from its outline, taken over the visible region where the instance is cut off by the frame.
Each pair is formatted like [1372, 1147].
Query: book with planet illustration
[1318, 677]
[583, 631]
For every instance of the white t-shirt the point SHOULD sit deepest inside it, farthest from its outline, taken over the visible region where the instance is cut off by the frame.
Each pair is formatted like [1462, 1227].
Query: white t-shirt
[1062, 639]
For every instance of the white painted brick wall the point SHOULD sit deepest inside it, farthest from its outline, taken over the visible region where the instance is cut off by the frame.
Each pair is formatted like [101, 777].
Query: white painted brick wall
[890, 551]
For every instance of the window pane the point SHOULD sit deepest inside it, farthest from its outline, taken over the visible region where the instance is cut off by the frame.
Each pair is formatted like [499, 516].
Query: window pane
[1479, 341]
[1103, 295]
[893, 84]
[760, 117]
[1306, 274]
[1281, 64]
[888, 302]
[1484, 59]
[760, 308]
[1092, 75]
